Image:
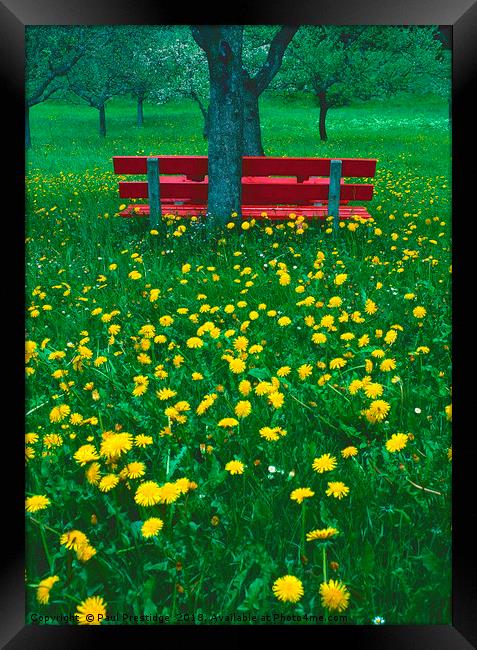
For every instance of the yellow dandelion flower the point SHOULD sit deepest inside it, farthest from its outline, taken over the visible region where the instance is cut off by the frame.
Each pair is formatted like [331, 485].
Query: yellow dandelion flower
[419, 312]
[243, 409]
[165, 393]
[148, 331]
[334, 595]
[340, 278]
[73, 539]
[245, 387]
[44, 588]
[373, 390]
[276, 399]
[355, 385]
[240, 343]
[337, 489]
[397, 442]
[91, 611]
[325, 463]
[227, 422]
[300, 494]
[305, 371]
[269, 434]
[59, 413]
[108, 482]
[339, 362]
[327, 321]
[135, 469]
[194, 342]
[85, 552]
[235, 467]
[387, 364]
[116, 444]
[151, 527]
[169, 492]
[348, 452]
[93, 473]
[378, 410]
[183, 484]
[37, 502]
[363, 341]
[237, 366]
[390, 337]
[142, 440]
[86, 454]
[318, 338]
[370, 307]
[288, 589]
[323, 533]
[148, 494]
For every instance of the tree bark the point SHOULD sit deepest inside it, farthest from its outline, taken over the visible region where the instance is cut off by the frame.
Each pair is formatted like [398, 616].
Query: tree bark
[252, 134]
[102, 121]
[323, 111]
[254, 87]
[223, 47]
[27, 127]
[205, 112]
[206, 116]
[140, 113]
[205, 130]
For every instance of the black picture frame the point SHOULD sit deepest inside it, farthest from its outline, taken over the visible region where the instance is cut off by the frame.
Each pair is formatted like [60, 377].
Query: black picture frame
[461, 18]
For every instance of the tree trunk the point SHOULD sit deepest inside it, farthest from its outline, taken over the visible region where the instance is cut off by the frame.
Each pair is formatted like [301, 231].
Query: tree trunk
[205, 130]
[252, 135]
[102, 121]
[254, 87]
[223, 46]
[140, 113]
[27, 127]
[323, 111]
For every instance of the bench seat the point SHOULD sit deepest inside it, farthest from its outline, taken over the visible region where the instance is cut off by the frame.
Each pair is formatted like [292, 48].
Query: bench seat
[272, 188]
[280, 212]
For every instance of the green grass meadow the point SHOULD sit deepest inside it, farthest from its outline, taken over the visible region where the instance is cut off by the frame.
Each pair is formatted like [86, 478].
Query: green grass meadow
[154, 361]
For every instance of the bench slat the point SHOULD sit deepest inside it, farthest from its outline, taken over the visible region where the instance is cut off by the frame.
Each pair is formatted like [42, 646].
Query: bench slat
[196, 166]
[274, 191]
[248, 212]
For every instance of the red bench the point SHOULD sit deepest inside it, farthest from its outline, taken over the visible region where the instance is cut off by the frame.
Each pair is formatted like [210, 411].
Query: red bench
[271, 187]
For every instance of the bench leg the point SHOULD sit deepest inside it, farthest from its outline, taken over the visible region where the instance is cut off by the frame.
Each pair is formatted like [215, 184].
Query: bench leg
[153, 192]
[334, 192]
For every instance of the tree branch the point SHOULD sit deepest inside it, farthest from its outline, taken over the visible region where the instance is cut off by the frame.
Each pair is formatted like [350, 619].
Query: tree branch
[274, 59]
[205, 36]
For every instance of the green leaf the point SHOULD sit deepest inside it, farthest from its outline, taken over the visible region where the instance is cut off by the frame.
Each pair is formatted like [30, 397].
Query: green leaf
[367, 559]
[260, 373]
[149, 607]
[253, 594]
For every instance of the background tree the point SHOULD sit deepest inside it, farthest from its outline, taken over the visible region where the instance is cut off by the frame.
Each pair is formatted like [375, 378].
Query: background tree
[341, 63]
[190, 79]
[50, 53]
[97, 77]
[148, 63]
[264, 47]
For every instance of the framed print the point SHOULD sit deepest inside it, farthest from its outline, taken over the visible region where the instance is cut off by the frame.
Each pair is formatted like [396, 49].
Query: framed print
[239, 282]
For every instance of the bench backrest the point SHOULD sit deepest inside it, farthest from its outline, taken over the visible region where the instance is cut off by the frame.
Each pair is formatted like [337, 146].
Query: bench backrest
[275, 182]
